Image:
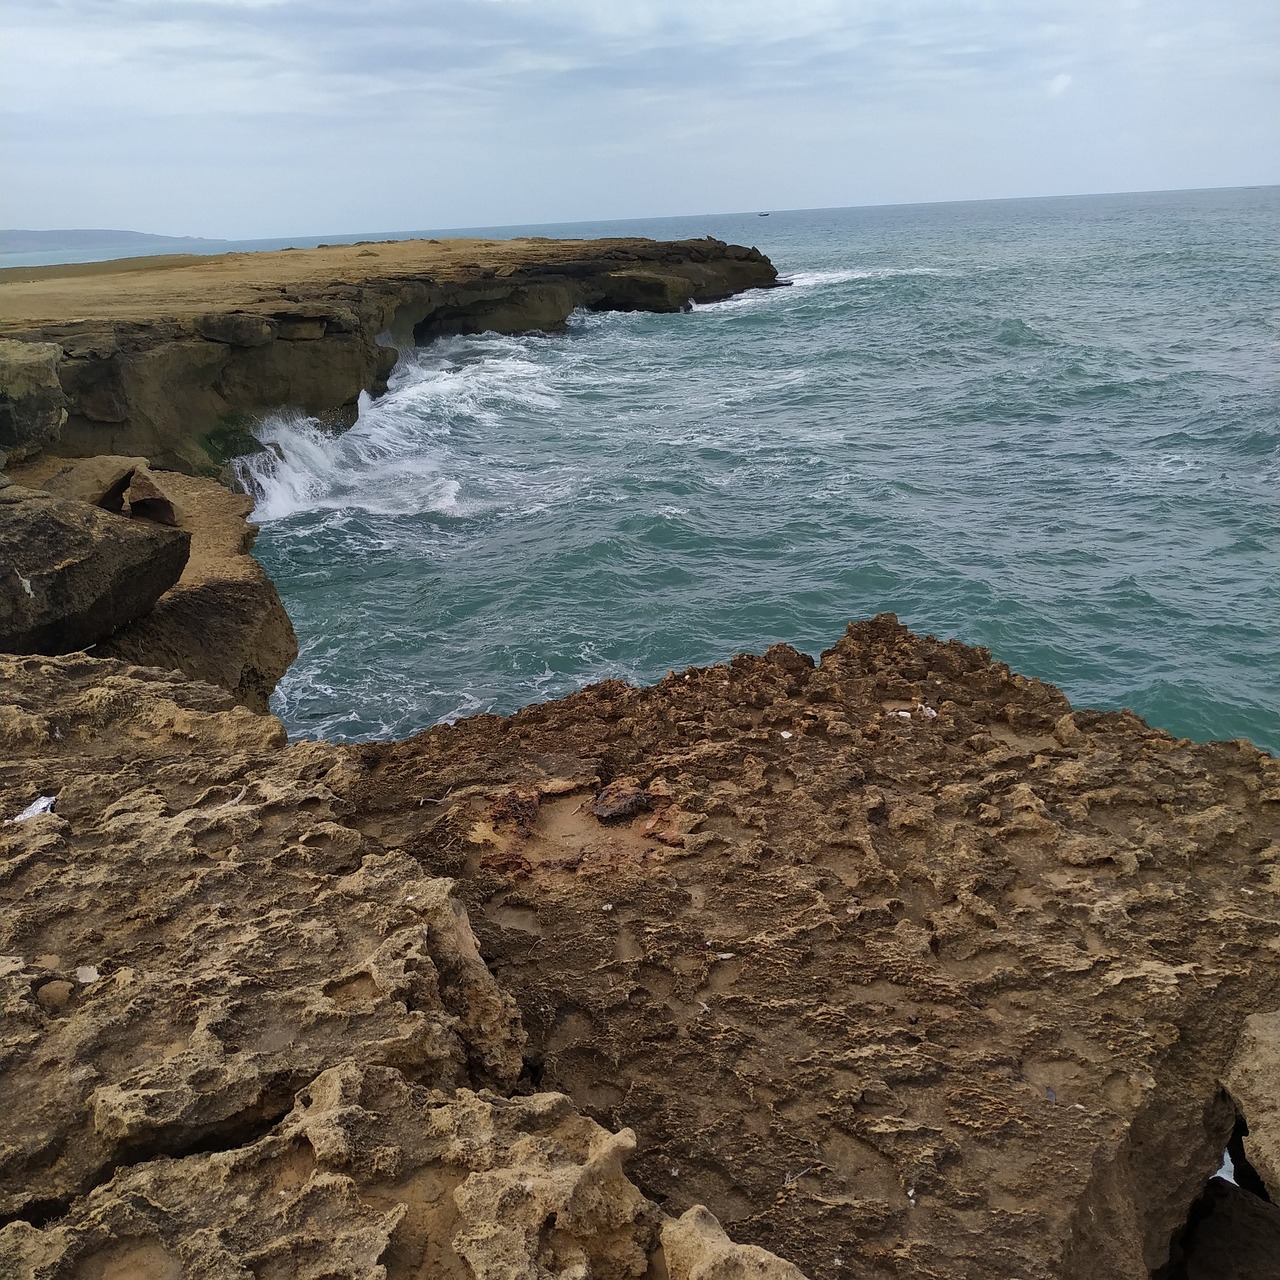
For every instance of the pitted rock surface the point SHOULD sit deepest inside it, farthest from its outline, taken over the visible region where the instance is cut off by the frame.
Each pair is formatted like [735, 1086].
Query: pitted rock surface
[906, 969]
[370, 1176]
[194, 933]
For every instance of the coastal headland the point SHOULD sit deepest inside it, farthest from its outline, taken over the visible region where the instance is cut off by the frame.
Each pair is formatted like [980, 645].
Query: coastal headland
[888, 963]
[173, 358]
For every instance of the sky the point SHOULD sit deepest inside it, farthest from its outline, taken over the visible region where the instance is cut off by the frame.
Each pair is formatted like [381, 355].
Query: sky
[247, 118]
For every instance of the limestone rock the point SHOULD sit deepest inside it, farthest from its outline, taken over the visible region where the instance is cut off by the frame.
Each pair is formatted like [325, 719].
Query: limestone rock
[72, 573]
[1234, 1236]
[223, 621]
[101, 481]
[148, 499]
[695, 1247]
[226, 936]
[1253, 1080]
[236, 329]
[369, 1171]
[645, 291]
[32, 402]
[174, 365]
[911, 970]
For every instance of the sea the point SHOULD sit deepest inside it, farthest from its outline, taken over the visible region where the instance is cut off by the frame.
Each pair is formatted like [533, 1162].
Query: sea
[1046, 426]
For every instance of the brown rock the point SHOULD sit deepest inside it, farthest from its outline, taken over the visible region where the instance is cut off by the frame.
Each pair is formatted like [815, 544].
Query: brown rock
[223, 621]
[1253, 1080]
[934, 995]
[1233, 1236]
[236, 329]
[72, 573]
[101, 482]
[623, 798]
[245, 939]
[263, 985]
[149, 501]
[696, 1247]
[175, 364]
[32, 402]
[54, 996]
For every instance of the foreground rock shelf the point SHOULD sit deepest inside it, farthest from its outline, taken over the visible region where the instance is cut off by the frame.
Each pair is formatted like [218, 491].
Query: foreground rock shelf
[894, 962]
[173, 358]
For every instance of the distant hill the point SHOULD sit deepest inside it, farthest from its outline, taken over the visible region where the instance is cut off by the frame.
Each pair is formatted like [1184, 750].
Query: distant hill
[16, 241]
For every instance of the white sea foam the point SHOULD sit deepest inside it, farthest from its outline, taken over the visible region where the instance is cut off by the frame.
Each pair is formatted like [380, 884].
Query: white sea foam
[397, 458]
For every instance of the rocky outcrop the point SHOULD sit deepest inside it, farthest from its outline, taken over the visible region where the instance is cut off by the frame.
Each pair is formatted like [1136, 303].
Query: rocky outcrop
[895, 962]
[1233, 1236]
[222, 622]
[32, 402]
[247, 1038]
[72, 574]
[903, 967]
[175, 364]
[1253, 1080]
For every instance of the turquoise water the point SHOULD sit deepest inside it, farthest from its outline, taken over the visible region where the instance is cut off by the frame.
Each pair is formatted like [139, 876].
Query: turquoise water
[1046, 426]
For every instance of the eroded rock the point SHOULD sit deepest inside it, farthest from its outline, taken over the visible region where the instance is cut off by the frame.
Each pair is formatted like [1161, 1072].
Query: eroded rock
[33, 405]
[1253, 1080]
[223, 621]
[172, 365]
[226, 936]
[369, 1172]
[912, 970]
[72, 574]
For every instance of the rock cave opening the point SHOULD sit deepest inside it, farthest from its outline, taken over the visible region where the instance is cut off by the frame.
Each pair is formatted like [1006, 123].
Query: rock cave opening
[1232, 1229]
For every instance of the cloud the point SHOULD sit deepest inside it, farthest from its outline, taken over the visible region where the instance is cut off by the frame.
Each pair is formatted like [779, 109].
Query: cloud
[235, 116]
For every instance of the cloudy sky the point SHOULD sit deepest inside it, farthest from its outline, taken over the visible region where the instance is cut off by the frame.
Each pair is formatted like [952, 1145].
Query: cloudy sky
[243, 118]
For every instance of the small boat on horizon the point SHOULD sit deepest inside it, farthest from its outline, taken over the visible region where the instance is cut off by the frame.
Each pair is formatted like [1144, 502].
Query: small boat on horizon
[762, 215]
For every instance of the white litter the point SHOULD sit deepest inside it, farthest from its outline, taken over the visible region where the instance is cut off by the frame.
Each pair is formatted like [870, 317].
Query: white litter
[26, 586]
[786, 733]
[36, 807]
[87, 974]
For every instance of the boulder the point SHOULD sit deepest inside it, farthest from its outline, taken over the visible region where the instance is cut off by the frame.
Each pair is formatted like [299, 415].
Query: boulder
[148, 500]
[72, 574]
[33, 407]
[223, 621]
[100, 481]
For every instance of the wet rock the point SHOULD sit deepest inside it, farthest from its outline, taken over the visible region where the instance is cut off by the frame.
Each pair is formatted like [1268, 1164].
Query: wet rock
[72, 574]
[33, 406]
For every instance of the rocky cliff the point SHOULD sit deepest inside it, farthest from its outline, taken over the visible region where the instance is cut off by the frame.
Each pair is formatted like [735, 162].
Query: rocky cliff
[895, 962]
[173, 359]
